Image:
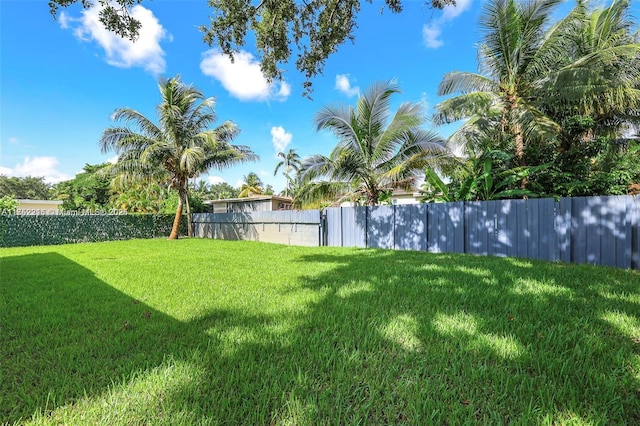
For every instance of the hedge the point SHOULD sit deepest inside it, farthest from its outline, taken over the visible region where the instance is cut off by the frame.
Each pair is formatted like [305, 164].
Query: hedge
[32, 230]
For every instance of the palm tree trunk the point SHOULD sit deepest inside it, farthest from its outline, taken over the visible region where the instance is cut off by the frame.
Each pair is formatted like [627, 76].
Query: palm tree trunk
[175, 230]
[189, 217]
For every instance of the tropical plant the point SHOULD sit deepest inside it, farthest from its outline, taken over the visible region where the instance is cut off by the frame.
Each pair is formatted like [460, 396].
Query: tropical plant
[252, 185]
[289, 162]
[598, 77]
[181, 146]
[141, 197]
[89, 189]
[534, 73]
[8, 204]
[489, 177]
[377, 150]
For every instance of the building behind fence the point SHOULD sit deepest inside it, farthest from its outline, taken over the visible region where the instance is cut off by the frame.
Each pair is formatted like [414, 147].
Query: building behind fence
[594, 230]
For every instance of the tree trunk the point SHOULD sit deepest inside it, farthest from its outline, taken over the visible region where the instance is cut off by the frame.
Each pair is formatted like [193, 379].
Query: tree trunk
[175, 230]
[189, 217]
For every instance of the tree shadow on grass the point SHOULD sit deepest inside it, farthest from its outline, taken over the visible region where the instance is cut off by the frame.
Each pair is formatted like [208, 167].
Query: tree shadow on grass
[389, 338]
[490, 340]
[66, 335]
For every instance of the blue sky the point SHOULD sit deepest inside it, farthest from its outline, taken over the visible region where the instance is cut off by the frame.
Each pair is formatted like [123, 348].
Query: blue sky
[61, 80]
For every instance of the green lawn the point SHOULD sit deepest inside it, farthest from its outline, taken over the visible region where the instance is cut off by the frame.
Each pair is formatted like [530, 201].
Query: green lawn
[213, 332]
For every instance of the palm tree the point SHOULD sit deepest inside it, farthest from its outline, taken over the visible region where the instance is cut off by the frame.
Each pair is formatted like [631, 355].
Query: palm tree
[252, 186]
[514, 60]
[534, 73]
[601, 77]
[377, 151]
[290, 161]
[180, 147]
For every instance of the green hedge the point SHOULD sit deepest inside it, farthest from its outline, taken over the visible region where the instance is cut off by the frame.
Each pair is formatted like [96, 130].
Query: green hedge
[27, 230]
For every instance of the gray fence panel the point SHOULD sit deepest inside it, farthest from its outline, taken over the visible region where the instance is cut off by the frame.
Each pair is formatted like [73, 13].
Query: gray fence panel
[455, 217]
[433, 229]
[635, 232]
[578, 232]
[477, 228]
[533, 224]
[499, 242]
[334, 226]
[354, 226]
[380, 224]
[563, 228]
[548, 240]
[411, 227]
[514, 232]
[445, 228]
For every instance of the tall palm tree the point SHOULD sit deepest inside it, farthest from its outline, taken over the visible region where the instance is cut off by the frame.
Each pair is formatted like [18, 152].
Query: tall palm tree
[289, 161]
[600, 79]
[181, 146]
[513, 61]
[252, 186]
[377, 150]
[533, 72]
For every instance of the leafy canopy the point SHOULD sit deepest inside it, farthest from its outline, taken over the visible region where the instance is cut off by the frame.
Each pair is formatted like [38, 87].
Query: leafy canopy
[316, 28]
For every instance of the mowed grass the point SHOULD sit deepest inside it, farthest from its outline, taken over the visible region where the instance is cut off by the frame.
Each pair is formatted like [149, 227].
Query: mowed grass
[214, 332]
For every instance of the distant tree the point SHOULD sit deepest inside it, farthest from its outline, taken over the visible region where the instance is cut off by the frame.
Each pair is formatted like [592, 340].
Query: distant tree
[268, 190]
[289, 162]
[316, 27]
[8, 204]
[141, 197]
[377, 150]
[181, 146]
[88, 190]
[223, 190]
[31, 188]
[252, 185]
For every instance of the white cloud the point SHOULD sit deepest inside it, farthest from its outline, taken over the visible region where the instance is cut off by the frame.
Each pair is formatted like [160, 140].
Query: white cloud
[280, 138]
[264, 173]
[64, 20]
[451, 12]
[113, 160]
[239, 183]
[13, 140]
[37, 167]
[431, 35]
[145, 52]
[214, 180]
[432, 32]
[242, 78]
[344, 85]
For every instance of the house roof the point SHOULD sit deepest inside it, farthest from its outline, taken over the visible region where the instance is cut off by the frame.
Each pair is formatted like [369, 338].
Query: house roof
[249, 199]
[53, 202]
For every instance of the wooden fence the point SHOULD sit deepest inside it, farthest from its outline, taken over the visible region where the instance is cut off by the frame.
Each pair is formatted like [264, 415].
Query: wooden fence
[595, 230]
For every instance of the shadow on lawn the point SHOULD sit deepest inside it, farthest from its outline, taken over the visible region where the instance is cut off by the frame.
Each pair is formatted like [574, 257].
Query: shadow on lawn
[395, 337]
[66, 334]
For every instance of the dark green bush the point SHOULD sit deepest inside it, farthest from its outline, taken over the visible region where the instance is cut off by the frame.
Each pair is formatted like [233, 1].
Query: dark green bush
[28, 230]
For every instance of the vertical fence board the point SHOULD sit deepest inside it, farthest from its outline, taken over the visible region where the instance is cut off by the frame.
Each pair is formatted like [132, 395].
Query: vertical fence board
[563, 228]
[456, 216]
[379, 228]
[411, 227]
[334, 227]
[635, 232]
[578, 231]
[623, 247]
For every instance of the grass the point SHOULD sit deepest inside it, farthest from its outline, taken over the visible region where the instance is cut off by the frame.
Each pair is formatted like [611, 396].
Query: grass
[214, 332]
